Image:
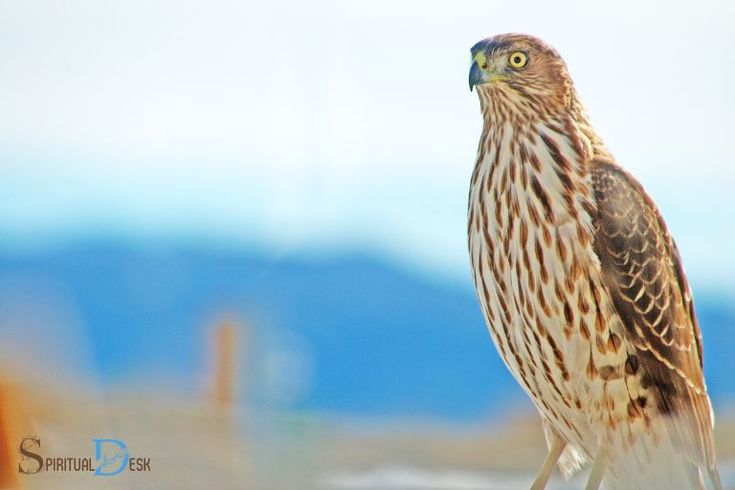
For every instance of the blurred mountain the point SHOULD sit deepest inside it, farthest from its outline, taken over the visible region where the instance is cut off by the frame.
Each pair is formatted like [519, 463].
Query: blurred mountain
[352, 334]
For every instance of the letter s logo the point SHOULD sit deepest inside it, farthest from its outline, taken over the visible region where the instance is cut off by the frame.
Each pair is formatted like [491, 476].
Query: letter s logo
[25, 466]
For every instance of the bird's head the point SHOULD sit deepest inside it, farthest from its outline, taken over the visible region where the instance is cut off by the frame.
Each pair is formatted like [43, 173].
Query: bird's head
[521, 67]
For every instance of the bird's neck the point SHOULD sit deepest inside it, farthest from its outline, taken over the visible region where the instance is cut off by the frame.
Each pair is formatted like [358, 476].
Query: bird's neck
[500, 105]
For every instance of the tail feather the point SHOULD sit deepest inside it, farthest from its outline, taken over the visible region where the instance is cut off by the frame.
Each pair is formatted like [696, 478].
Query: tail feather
[659, 460]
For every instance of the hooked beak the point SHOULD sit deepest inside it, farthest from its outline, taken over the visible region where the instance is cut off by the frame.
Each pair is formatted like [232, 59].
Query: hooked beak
[477, 75]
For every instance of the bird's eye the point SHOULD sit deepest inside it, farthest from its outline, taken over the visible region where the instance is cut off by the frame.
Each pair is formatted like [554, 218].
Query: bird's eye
[519, 59]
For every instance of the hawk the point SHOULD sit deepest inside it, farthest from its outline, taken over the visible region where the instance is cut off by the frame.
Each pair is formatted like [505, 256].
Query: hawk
[580, 283]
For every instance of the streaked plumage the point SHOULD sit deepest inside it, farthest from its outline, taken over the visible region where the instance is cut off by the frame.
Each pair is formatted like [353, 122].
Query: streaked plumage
[580, 283]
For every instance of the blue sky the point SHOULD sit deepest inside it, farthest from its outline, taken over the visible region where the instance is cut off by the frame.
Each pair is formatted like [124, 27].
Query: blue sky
[337, 125]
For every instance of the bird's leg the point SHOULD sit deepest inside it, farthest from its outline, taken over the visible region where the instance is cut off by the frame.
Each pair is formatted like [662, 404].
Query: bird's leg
[714, 476]
[598, 469]
[551, 458]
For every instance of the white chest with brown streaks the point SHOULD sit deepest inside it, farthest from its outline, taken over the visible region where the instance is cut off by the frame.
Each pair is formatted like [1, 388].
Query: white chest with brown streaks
[530, 243]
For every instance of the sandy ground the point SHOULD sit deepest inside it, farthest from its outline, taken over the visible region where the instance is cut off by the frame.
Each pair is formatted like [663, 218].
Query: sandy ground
[197, 445]
[432, 456]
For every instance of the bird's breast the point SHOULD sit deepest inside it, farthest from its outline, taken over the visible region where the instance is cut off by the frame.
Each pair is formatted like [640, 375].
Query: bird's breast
[530, 243]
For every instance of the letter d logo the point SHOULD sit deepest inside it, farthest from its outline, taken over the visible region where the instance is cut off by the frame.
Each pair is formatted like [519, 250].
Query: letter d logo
[111, 456]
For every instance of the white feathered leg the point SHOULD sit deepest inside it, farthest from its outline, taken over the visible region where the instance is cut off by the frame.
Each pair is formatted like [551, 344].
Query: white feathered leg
[552, 457]
[598, 469]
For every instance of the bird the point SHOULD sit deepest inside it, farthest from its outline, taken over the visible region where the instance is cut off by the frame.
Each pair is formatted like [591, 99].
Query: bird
[580, 283]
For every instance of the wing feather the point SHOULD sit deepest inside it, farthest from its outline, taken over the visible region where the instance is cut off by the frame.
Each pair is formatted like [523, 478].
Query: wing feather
[642, 272]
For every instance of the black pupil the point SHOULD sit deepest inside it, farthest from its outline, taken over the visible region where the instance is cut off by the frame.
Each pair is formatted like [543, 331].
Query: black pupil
[517, 60]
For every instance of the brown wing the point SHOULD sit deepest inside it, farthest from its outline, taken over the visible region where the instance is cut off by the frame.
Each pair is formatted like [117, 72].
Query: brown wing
[642, 271]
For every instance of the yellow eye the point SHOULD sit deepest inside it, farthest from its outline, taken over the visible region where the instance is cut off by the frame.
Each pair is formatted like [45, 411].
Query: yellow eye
[518, 59]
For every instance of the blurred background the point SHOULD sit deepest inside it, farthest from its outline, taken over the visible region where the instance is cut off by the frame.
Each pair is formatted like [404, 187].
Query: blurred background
[232, 234]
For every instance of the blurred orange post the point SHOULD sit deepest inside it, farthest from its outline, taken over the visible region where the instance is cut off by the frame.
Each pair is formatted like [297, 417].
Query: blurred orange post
[12, 425]
[225, 365]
